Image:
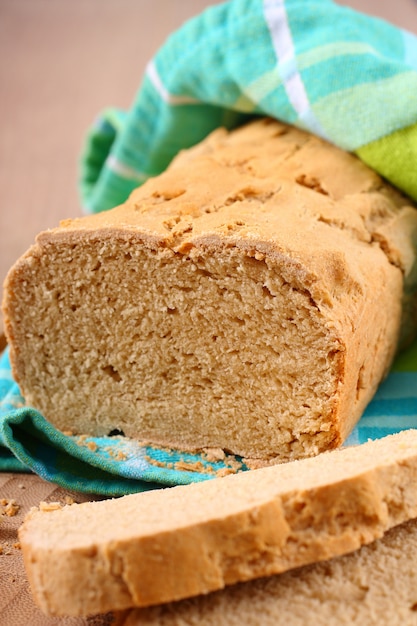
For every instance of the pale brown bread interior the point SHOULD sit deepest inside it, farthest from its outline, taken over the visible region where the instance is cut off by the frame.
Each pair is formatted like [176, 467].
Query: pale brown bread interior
[250, 298]
[374, 586]
[165, 545]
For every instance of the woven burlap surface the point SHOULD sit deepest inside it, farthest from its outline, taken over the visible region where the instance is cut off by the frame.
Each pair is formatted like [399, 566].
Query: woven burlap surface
[17, 607]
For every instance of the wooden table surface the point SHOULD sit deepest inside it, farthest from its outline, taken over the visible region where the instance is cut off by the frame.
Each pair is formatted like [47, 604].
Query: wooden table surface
[62, 61]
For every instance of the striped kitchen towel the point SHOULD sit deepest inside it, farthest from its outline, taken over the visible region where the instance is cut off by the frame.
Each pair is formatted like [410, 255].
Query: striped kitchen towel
[350, 78]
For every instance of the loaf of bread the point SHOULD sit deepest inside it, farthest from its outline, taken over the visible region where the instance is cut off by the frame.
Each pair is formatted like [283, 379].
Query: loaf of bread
[250, 299]
[374, 586]
[169, 544]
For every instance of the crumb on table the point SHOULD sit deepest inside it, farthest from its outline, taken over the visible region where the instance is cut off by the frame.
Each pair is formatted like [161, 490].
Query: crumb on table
[9, 507]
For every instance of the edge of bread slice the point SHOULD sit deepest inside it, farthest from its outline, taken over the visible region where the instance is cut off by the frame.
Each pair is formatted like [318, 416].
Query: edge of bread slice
[165, 545]
[375, 585]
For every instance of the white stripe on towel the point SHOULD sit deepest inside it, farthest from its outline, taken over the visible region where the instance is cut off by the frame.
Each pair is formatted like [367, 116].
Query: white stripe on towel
[279, 29]
[170, 98]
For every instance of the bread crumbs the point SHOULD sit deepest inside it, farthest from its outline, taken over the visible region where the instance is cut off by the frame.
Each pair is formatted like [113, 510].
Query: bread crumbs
[157, 463]
[214, 454]
[233, 464]
[117, 455]
[49, 506]
[225, 471]
[230, 465]
[6, 548]
[197, 466]
[9, 507]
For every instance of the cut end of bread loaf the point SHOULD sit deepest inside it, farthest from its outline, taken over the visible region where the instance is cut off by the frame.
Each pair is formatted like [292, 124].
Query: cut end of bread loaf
[249, 298]
[208, 349]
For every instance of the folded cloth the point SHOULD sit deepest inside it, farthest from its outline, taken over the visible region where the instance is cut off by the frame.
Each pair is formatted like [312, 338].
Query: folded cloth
[350, 78]
[114, 466]
[344, 76]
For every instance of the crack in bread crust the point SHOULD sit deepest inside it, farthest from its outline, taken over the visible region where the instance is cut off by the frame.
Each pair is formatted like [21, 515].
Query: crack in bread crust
[222, 307]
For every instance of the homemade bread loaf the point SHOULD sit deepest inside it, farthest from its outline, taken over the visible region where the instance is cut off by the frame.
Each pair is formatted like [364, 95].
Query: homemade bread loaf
[169, 544]
[250, 299]
[374, 586]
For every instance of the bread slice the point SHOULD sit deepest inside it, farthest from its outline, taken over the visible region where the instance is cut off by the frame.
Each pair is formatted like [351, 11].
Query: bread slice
[250, 299]
[374, 586]
[165, 545]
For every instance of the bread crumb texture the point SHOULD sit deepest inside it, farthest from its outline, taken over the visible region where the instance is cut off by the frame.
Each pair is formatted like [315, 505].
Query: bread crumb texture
[249, 299]
[169, 544]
